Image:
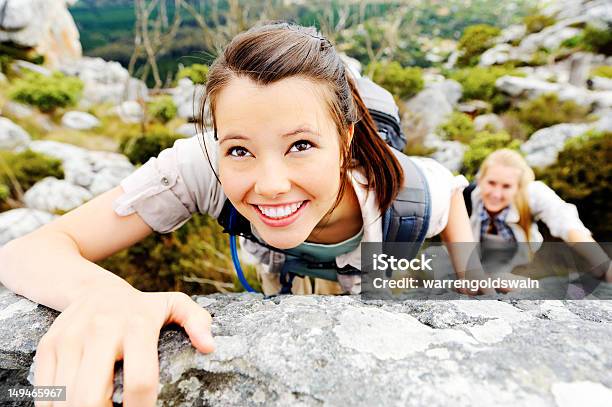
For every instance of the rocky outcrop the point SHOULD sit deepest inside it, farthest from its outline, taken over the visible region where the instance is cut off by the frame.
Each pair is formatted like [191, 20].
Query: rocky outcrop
[45, 26]
[12, 135]
[18, 222]
[79, 120]
[341, 350]
[54, 195]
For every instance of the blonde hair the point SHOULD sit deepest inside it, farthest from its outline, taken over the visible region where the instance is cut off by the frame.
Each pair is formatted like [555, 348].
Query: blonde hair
[513, 159]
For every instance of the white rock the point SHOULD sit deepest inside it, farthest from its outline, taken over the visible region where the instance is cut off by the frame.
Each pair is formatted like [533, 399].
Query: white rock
[581, 393]
[17, 110]
[12, 135]
[61, 151]
[80, 120]
[426, 111]
[601, 83]
[51, 194]
[488, 120]
[45, 25]
[130, 111]
[186, 97]
[451, 89]
[511, 33]
[21, 66]
[18, 222]
[449, 153]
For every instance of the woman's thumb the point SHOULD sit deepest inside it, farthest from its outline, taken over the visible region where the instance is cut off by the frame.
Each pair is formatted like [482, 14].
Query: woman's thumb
[194, 319]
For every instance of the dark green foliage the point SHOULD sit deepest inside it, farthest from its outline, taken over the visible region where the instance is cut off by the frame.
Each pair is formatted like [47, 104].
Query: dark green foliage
[537, 22]
[582, 175]
[402, 82]
[475, 40]
[479, 83]
[46, 92]
[459, 127]
[162, 109]
[198, 73]
[140, 147]
[547, 110]
[197, 251]
[483, 144]
[598, 40]
[26, 169]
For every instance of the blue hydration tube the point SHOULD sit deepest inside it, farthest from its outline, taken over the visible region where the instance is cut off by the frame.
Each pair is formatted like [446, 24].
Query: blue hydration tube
[234, 252]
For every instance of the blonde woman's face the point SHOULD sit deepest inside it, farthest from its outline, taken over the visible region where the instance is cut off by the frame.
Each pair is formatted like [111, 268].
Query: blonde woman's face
[498, 186]
[279, 156]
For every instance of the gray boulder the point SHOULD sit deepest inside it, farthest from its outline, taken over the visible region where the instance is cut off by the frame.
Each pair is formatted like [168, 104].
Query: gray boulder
[51, 195]
[130, 111]
[426, 111]
[449, 153]
[18, 222]
[46, 26]
[341, 350]
[451, 89]
[12, 136]
[490, 120]
[80, 120]
[186, 97]
[601, 83]
[543, 147]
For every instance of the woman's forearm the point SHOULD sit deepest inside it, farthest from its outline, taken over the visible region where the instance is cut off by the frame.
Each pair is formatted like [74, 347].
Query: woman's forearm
[584, 245]
[46, 267]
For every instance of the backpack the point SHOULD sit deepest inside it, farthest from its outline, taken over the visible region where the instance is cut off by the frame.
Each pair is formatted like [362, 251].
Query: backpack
[467, 197]
[407, 220]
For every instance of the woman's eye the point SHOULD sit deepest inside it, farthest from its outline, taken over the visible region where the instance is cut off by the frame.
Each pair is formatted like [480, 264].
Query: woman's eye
[301, 145]
[237, 152]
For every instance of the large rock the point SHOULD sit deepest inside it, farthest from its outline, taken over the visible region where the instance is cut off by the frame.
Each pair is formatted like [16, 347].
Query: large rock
[52, 195]
[105, 82]
[130, 111]
[18, 222]
[43, 25]
[98, 171]
[12, 136]
[449, 153]
[451, 89]
[543, 147]
[591, 10]
[340, 350]
[488, 121]
[80, 120]
[426, 111]
[186, 96]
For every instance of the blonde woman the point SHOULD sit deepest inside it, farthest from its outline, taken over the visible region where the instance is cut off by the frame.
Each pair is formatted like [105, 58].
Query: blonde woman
[506, 202]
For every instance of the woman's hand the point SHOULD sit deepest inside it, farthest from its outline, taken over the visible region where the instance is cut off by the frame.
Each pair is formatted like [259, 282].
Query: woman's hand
[80, 349]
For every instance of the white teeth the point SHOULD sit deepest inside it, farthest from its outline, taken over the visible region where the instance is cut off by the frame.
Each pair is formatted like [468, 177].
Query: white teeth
[279, 212]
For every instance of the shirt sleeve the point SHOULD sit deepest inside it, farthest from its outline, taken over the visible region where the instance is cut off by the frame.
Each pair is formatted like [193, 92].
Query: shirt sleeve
[442, 184]
[169, 188]
[558, 215]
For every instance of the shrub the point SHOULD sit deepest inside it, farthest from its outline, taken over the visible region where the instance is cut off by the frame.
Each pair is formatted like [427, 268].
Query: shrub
[194, 259]
[483, 144]
[598, 40]
[26, 168]
[198, 73]
[537, 22]
[459, 127]
[140, 147]
[46, 92]
[604, 71]
[475, 40]
[547, 110]
[163, 109]
[479, 83]
[4, 192]
[402, 82]
[582, 175]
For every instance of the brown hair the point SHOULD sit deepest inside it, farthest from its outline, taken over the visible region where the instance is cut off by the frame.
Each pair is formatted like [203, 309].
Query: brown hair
[272, 52]
[513, 159]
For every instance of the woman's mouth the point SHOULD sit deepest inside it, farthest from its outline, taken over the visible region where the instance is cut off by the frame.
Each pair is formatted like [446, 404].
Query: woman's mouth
[278, 216]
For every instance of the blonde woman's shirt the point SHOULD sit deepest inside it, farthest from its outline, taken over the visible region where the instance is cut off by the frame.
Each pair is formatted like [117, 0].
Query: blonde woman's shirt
[169, 188]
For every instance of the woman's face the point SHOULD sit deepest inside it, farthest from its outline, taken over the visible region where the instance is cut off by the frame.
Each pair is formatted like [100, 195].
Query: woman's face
[279, 156]
[498, 186]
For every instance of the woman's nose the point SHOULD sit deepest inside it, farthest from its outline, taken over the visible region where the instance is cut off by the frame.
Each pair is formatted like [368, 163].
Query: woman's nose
[272, 180]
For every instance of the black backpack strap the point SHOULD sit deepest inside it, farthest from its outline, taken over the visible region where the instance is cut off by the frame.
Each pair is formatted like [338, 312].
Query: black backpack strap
[407, 220]
[467, 197]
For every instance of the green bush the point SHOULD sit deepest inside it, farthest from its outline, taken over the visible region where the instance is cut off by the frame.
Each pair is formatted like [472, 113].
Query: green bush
[483, 144]
[198, 73]
[547, 110]
[402, 82]
[46, 92]
[573, 42]
[162, 109]
[140, 147]
[189, 259]
[4, 192]
[598, 40]
[604, 71]
[537, 22]
[582, 175]
[459, 127]
[479, 83]
[475, 40]
[27, 168]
